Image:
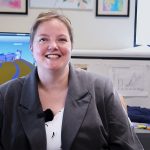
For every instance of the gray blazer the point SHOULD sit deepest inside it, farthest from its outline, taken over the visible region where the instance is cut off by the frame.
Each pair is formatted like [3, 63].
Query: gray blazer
[93, 117]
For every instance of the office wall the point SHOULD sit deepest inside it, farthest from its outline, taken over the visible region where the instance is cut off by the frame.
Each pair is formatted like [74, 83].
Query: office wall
[90, 32]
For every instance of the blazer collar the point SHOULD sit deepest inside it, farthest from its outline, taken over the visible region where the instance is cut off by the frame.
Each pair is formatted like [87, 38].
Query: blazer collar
[29, 110]
[77, 102]
[29, 95]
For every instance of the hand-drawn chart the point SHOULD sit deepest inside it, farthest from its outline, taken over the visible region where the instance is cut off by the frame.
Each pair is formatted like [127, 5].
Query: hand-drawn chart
[129, 80]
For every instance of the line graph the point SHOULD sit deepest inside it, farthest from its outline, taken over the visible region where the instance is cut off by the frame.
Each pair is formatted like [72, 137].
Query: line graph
[129, 81]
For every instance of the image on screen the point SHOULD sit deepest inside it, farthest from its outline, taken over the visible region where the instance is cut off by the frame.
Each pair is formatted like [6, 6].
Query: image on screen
[16, 58]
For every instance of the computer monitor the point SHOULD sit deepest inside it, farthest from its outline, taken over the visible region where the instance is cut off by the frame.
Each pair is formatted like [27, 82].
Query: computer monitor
[15, 55]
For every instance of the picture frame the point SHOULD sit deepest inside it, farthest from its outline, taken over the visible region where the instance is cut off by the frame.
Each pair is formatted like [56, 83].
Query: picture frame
[14, 7]
[114, 8]
[63, 4]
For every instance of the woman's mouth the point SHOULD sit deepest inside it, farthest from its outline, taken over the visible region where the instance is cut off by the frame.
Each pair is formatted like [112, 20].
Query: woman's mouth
[51, 56]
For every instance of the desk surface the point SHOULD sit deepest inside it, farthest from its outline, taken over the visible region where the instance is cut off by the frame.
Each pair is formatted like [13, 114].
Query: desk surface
[142, 131]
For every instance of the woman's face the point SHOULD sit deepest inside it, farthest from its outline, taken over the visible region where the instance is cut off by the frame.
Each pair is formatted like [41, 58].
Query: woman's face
[51, 45]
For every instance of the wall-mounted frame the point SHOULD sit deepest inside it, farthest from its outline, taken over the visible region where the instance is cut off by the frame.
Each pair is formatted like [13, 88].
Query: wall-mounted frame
[118, 8]
[63, 4]
[14, 7]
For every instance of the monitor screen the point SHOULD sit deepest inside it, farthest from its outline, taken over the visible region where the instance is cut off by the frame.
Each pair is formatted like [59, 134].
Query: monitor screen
[15, 56]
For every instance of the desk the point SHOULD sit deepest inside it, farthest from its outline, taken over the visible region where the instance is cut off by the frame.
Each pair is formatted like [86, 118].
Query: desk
[144, 137]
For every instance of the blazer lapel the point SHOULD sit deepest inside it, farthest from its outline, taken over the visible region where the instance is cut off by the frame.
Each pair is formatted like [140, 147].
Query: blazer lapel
[29, 109]
[77, 102]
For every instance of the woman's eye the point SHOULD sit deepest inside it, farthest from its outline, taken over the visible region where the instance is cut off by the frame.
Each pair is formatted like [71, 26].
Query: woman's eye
[43, 40]
[62, 40]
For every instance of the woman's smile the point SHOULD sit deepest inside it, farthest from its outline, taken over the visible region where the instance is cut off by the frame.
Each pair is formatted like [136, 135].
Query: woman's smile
[52, 56]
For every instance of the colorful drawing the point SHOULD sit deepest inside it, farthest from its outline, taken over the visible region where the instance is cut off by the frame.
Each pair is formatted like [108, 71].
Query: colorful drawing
[112, 8]
[112, 5]
[68, 4]
[82, 4]
[11, 3]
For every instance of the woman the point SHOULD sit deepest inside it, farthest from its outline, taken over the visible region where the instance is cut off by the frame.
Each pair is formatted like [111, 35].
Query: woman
[84, 112]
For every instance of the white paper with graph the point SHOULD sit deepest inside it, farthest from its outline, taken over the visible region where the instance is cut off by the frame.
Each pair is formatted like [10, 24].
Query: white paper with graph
[129, 80]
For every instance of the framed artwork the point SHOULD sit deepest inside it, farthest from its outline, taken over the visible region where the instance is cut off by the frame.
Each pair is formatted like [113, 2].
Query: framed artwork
[63, 4]
[118, 8]
[13, 6]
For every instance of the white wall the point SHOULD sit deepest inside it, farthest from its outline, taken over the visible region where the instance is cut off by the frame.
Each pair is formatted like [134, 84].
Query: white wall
[90, 32]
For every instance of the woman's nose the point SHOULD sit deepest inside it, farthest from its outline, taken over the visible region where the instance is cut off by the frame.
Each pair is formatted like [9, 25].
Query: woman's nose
[52, 45]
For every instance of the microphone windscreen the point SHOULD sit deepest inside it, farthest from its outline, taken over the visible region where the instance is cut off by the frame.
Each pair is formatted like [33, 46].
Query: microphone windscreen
[48, 115]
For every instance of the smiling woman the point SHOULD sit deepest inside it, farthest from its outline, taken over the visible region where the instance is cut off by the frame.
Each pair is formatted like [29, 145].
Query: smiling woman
[84, 108]
[51, 48]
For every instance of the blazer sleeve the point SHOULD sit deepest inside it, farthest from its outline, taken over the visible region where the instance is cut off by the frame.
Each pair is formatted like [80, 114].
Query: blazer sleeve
[121, 135]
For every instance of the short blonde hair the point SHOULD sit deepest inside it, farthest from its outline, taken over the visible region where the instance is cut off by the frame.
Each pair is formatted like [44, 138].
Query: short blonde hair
[43, 17]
